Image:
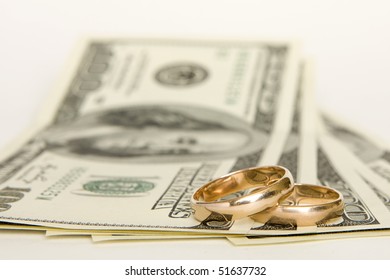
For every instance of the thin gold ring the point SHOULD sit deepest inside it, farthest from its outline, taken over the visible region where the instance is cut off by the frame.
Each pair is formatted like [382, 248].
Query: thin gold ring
[307, 205]
[242, 193]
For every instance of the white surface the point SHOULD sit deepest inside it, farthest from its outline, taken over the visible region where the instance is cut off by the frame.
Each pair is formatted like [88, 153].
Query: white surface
[349, 40]
[34, 245]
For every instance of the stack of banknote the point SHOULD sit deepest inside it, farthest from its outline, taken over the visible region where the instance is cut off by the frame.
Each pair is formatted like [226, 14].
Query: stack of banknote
[137, 125]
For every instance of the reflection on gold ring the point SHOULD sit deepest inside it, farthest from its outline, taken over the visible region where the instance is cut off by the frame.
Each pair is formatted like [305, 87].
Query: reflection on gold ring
[307, 205]
[242, 193]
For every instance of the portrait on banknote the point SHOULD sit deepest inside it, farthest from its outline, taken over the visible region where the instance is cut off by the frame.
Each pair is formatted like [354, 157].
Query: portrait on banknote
[154, 133]
[355, 143]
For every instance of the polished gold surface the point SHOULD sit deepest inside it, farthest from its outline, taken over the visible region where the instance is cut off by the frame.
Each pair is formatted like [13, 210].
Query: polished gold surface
[307, 205]
[242, 193]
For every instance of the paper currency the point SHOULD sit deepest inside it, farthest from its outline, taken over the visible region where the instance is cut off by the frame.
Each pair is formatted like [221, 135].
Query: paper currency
[138, 125]
[333, 167]
[358, 219]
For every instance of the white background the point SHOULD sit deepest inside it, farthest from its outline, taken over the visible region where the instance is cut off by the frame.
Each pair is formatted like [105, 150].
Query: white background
[348, 40]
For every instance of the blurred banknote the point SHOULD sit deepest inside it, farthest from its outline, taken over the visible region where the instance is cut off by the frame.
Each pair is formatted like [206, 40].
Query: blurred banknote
[138, 125]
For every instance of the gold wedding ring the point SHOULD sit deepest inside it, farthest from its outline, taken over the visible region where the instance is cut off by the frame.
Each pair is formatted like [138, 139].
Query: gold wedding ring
[242, 193]
[307, 205]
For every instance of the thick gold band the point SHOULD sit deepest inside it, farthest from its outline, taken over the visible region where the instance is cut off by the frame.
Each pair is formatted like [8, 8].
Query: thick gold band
[242, 193]
[307, 205]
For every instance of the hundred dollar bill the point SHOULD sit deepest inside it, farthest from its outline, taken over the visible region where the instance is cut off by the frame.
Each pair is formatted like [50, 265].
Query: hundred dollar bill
[138, 124]
[290, 157]
[292, 154]
[363, 209]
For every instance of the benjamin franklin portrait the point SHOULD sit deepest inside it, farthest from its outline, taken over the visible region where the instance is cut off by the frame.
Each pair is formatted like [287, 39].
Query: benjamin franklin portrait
[154, 133]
